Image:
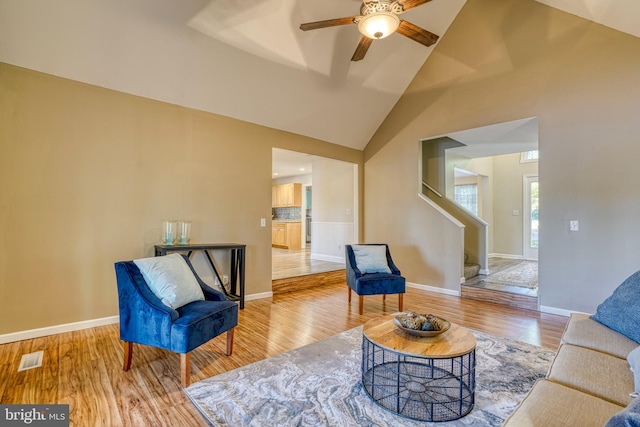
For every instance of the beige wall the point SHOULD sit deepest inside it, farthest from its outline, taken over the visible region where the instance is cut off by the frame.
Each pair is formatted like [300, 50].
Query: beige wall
[87, 174]
[508, 195]
[502, 60]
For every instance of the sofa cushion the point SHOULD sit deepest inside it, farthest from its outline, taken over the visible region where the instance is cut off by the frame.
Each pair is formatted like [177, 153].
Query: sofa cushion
[551, 404]
[200, 320]
[621, 311]
[581, 330]
[628, 417]
[634, 363]
[170, 278]
[371, 258]
[593, 372]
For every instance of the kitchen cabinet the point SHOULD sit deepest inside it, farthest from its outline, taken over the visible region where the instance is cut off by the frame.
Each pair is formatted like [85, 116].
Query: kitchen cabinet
[286, 235]
[286, 195]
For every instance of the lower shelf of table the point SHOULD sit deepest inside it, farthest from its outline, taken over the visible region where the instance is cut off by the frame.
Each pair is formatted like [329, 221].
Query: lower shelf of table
[419, 388]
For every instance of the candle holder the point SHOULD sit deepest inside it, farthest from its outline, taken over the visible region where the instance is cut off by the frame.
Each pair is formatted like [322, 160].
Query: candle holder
[184, 229]
[169, 232]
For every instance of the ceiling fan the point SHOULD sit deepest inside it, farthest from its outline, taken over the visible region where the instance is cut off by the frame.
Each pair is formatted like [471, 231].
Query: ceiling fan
[377, 20]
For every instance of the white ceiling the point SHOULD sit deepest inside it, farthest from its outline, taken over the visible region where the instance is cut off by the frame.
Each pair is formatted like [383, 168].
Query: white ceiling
[245, 59]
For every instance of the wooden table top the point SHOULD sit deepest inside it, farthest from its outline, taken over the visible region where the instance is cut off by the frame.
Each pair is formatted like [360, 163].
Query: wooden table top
[455, 342]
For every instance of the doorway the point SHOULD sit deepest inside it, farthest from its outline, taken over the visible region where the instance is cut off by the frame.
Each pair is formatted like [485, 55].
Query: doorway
[531, 196]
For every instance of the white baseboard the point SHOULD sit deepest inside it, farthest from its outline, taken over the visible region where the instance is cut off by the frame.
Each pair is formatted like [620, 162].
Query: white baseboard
[85, 324]
[558, 311]
[434, 289]
[57, 329]
[258, 296]
[329, 258]
[484, 271]
[508, 256]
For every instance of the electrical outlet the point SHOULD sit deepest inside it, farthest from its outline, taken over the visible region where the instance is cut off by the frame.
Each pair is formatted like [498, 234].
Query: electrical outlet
[574, 225]
[225, 280]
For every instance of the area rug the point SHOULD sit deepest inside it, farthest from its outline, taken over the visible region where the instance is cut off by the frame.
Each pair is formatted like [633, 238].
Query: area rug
[524, 275]
[320, 385]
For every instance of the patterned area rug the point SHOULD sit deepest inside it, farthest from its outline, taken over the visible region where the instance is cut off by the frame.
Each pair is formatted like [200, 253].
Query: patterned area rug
[320, 385]
[524, 275]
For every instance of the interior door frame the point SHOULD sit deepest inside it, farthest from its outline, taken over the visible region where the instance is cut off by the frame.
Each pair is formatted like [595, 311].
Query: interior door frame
[528, 253]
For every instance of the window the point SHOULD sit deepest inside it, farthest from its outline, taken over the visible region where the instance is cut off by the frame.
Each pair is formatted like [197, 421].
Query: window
[529, 156]
[467, 196]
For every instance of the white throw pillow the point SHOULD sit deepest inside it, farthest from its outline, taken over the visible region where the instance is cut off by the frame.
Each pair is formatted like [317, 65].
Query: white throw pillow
[170, 279]
[371, 258]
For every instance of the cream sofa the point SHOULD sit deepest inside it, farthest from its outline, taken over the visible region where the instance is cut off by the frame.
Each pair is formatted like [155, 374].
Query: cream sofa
[588, 382]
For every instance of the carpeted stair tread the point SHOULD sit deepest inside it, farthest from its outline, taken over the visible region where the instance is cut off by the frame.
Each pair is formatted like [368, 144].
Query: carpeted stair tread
[471, 270]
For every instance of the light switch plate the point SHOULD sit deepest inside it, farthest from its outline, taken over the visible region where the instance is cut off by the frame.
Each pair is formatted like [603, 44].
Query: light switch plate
[574, 225]
[263, 222]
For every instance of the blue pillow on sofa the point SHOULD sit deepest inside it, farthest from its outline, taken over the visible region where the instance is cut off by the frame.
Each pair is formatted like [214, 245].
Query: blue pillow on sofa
[621, 311]
[628, 417]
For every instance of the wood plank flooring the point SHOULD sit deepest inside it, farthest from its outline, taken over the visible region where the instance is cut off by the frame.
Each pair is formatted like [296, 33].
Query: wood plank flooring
[513, 296]
[84, 368]
[286, 263]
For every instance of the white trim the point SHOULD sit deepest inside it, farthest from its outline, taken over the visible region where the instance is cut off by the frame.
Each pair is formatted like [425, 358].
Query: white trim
[558, 311]
[508, 256]
[462, 280]
[85, 324]
[329, 258]
[442, 211]
[258, 296]
[483, 271]
[57, 329]
[435, 289]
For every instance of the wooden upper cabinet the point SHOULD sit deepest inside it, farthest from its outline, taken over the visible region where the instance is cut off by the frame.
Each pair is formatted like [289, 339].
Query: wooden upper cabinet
[286, 195]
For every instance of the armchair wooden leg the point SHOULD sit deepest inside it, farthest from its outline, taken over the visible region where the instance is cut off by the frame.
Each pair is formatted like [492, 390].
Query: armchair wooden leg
[400, 300]
[349, 294]
[360, 303]
[384, 297]
[185, 369]
[128, 353]
[230, 341]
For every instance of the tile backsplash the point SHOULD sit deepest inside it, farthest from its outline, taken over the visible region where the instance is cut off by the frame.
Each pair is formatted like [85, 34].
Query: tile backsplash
[286, 214]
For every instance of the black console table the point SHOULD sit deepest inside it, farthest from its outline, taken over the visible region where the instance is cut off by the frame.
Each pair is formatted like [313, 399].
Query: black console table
[236, 274]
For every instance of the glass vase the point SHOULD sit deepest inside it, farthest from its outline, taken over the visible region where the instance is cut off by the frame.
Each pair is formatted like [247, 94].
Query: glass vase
[169, 234]
[184, 229]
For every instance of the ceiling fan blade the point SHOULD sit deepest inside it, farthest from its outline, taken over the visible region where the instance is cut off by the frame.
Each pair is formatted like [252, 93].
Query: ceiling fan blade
[362, 48]
[328, 23]
[416, 33]
[410, 4]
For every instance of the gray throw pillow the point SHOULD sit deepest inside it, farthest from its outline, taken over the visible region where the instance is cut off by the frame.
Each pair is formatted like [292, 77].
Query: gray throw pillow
[621, 311]
[628, 417]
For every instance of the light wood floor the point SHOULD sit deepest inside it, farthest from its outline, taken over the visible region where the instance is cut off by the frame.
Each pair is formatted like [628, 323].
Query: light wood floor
[513, 296]
[287, 263]
[84, 368]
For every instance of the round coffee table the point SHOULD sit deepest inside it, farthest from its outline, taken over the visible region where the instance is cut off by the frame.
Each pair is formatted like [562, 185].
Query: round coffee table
[422, 378]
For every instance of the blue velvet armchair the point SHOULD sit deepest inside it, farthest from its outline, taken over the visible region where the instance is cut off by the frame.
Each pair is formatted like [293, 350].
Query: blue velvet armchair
[144, 319]
[373, 283]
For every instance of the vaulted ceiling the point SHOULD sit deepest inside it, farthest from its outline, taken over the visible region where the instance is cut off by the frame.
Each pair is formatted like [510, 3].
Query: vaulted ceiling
[245, 59]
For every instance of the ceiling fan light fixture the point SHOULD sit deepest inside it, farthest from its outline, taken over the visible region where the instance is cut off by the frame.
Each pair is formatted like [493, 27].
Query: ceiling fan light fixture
[378, 25]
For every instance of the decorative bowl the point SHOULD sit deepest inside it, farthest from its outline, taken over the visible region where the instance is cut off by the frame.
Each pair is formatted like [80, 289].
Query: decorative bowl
[420, 333]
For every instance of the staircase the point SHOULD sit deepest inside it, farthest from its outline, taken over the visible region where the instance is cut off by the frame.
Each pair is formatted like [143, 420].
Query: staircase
[470, 269]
